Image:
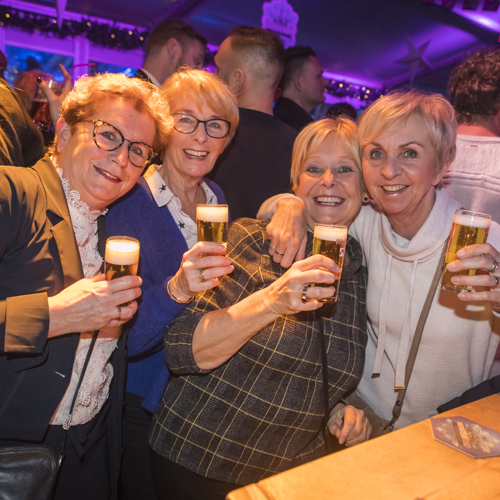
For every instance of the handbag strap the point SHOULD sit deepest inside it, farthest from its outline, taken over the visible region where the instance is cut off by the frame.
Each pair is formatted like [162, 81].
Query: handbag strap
[77, 390]
[396, 411]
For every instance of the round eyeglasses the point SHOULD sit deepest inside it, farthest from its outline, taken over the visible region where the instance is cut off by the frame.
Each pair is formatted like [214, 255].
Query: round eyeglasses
[109, 138]
[187, 124]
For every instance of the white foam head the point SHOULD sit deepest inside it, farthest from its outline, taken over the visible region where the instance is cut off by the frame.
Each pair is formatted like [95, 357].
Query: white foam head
[330, 233]
[122, 252]
[212, 213]
[472, 220]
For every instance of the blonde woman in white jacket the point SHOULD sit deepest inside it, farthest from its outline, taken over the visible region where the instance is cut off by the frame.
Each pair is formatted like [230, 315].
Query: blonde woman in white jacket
[407, 141]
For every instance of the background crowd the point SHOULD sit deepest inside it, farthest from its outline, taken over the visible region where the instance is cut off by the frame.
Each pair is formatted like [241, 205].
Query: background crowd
[226, 366]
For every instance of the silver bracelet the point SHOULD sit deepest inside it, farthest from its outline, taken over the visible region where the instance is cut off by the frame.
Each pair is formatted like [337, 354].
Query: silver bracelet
[174, 298]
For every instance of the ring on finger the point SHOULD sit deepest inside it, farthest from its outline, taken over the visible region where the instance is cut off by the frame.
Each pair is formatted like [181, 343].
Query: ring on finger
[305, 298]
[494, 266]
[278, 253]
[497, 281]
[200, 273]
[119, 318]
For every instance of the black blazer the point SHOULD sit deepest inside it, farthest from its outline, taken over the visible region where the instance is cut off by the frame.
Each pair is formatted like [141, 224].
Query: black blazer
[38, 258]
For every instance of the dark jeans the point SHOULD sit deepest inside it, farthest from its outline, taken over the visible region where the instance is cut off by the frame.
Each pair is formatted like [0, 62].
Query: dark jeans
[174, 482]
[135, 474]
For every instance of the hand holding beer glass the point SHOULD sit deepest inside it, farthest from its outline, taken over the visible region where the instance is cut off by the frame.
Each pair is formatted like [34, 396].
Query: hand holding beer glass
[468, 228]
[206, 262]
[330, 241]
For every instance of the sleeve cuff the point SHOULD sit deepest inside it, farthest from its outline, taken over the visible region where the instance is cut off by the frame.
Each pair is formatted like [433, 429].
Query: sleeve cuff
[267, 209]
[26, 323]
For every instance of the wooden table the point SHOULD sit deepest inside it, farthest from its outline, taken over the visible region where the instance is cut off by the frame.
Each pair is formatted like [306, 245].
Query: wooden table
[407, 464]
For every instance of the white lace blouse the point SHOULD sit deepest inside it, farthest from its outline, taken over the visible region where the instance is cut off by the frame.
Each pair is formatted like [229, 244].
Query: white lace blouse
[95, 387]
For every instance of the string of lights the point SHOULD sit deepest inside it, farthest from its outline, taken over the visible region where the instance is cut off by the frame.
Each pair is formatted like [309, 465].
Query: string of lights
[100, 33]
[113, 36]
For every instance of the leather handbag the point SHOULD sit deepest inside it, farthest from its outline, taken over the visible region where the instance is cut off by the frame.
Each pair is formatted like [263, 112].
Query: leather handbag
[29, 472]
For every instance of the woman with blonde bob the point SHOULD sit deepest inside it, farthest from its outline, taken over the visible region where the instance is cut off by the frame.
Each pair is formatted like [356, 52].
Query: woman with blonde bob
[407, 142]
[247, 400]
[161, 213]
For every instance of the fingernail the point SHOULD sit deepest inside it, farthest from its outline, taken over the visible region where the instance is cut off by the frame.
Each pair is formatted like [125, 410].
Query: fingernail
[38, 79]
[451, 266]
[461, 295]
[461, 253]
[454, 280]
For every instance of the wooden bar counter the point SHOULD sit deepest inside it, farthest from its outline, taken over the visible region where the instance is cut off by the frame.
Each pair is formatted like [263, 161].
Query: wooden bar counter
[407, 464]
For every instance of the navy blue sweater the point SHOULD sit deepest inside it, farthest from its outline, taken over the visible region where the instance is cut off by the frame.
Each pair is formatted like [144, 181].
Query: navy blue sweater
[162, 246]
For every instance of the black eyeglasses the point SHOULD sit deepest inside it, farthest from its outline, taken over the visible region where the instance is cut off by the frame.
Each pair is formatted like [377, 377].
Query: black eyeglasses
[109, 138]
[187, 124]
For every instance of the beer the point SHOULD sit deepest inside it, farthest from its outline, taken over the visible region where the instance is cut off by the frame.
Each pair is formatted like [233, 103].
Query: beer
[330, 241]
[121, 258]
[468, 228]
[212, 223]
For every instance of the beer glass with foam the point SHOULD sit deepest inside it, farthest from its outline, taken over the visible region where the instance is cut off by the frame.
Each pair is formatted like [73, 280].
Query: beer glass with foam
[330, 240]
[121, 257]
[468, 228]
[212, 223]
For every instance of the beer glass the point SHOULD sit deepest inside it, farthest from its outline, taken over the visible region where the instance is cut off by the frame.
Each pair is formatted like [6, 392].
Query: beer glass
[468, 228]
[330, 240]
[121, 257]
[212, 223]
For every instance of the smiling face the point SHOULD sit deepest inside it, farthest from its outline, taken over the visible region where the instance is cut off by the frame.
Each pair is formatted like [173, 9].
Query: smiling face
[102, 177]
[401, 173]
[330, 184]
[192, 155]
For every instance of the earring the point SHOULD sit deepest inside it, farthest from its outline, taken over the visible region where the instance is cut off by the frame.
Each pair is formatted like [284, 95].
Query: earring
[366, 199]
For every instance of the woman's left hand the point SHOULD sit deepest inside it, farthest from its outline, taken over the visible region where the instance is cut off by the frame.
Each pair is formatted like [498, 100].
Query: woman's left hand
[350, 426]
[480, 257]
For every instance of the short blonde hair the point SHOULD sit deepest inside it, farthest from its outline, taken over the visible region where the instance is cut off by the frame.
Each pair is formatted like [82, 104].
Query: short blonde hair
[90, 91]
[396, 108]
[202, 87]
[311, 137]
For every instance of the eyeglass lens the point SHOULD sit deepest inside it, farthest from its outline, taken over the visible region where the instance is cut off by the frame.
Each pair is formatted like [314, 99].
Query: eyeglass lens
[187, 124]
[109, 138]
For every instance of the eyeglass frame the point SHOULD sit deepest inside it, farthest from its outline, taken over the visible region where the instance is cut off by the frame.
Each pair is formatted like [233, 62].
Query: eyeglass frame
[97, 123]
[204, 124]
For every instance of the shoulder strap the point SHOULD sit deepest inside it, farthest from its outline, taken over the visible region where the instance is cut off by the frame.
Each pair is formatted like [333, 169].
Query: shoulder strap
[396, 411]
[77, 390]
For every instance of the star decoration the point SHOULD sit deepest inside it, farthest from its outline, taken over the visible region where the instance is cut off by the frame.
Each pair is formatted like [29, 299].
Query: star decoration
[415, 58]
[181, 225]
[162, 188]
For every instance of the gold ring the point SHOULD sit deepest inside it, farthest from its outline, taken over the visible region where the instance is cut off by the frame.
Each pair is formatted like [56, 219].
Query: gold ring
[119, 318]
[202, 278]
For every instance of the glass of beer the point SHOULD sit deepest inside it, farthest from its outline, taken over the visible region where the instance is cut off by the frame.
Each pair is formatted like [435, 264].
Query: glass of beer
[212, 223]
[121, 257]
[330, 240]
[468, 228]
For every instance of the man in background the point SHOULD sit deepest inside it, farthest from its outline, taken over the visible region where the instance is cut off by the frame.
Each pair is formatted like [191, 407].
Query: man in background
[256, 164]
[302, 87]
[473, 178]
[171, 45]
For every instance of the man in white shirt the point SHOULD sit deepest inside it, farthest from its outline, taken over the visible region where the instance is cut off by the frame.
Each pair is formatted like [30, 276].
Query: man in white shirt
[473, 178]
[171, 45]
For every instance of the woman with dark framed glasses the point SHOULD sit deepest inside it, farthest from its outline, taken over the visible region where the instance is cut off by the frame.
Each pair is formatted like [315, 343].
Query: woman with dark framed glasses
[161, 213]
[53, 295]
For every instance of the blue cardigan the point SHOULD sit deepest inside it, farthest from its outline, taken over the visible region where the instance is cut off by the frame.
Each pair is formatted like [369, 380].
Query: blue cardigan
[162, 246]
